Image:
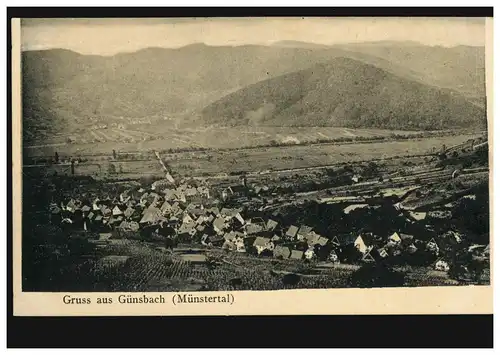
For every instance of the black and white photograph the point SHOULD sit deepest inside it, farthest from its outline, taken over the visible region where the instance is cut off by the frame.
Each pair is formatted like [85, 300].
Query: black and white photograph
[254, 153]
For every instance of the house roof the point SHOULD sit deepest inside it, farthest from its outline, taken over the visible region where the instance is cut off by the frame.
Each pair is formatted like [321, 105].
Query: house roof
[271, 224]
[292, 231]
[219, 223]
[187, 227]
[117, 211]
[260, 242]
[150, 215]
[253, 228]
[129, 212]
[322, 241]
[282, 251]
[86, 208]
[296, 254]
[239, 218]
[350, 208]
[304, 229]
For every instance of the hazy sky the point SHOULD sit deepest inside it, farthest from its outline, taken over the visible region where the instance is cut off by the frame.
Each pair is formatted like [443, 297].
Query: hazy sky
[110, 36]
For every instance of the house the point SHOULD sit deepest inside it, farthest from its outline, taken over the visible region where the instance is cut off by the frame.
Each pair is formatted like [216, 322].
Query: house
[187, 228]
[169, 194]
[200, 220]
[368, 255]
[292, 232]
[350, 208]
[271, 224]
[359, 244]
[303, 231]
[106, 212]
[117, 211]
[150, 215]
[253, 228]
[417, 216]
[165, 207]
[129, 212]
[216, 240]
[240, 244]
[124, 198]
[262, 244]
[187, 218]
[296, 254]
[219, 224]
[355, 179]
[230, 236]
[239, 218]
[281, 252]
[394, 238]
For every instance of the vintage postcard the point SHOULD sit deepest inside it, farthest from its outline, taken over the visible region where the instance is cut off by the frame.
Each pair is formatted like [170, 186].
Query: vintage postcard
[252, 166]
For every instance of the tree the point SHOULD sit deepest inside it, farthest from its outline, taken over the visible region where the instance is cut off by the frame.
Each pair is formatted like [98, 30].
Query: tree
[111, 169]
[114, 154]
[56, 158]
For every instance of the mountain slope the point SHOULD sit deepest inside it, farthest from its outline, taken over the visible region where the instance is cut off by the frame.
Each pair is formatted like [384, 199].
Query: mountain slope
[64, 90]
[348, 93]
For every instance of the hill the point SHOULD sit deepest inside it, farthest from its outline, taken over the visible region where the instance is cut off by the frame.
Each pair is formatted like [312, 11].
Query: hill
[348, 93]
[64, 90]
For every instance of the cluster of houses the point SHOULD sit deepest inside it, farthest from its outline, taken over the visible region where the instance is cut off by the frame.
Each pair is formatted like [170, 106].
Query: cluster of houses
[189, 213]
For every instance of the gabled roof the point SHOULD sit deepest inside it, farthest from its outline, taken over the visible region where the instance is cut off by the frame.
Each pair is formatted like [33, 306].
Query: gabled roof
[296, 254]
[129, 212]
[253, 228]
[117, 211]
[395, 237]
[86, 208]
[91, 215]
[303, 230]
[106, 211]
[322, 241]
[350, 208]
[271, 224]
[188, 227]
[261, 242]
[281, 251]
[239, 218]
[150, 215]
[219, 223]
[292, 231]
[165, 207]
[229, 236]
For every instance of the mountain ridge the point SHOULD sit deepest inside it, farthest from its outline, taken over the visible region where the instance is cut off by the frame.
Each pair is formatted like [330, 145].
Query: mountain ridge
[346, 93]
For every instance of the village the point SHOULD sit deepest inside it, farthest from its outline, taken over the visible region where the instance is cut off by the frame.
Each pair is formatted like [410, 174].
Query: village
[193, 212]
[426, 215]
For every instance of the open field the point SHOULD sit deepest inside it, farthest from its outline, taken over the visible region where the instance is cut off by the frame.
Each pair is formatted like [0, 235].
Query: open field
[103, 140]
[213, 162]
[141, 267]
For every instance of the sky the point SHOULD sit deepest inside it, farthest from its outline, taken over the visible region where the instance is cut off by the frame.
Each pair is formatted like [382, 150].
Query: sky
[111, 36]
